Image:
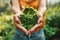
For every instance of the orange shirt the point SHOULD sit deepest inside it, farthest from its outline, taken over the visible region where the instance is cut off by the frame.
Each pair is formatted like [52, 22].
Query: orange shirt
[33, 3]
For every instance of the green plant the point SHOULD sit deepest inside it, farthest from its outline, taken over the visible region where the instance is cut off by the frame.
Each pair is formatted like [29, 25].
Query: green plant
[54, 19]
[28, 18]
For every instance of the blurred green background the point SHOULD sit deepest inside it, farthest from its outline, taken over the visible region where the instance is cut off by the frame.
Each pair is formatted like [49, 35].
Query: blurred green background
[6, 19]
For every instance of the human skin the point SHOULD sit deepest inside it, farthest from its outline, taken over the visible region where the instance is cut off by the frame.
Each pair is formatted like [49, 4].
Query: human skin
[17, 11]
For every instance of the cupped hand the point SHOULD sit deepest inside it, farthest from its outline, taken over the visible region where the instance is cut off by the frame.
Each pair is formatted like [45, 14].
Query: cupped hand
[35, 28]
[17, 23]
[40, 18]
[16, 19]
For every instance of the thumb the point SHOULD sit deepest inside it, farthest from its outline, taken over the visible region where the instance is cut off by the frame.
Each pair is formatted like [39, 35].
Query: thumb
[17, 20]
[39, 20]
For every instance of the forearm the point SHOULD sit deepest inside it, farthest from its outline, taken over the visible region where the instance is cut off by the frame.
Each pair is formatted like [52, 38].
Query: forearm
[15, 6]
[42, 7]
[16, 10]
[42, 10]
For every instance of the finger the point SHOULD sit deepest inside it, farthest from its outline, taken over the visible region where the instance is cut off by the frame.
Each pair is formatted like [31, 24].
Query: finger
[19, 19]
[27, 33]
[40, 20]
[31, 30]
[16, 19]
[15, 23]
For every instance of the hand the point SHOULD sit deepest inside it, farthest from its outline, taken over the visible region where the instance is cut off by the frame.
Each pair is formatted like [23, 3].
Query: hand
[27, 33]
[40, 18]
[16, 19]
[17, 23]
[34, 28]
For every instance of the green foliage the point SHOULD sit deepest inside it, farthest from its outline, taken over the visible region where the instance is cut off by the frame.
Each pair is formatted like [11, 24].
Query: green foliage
[28, 18]
[49, 31]
[54, 18]
[6, 27]
[52, 21]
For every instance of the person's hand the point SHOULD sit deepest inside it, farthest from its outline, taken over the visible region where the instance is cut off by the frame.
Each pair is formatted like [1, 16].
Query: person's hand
[27, 33]
[40, 18]
[36, 28]
[16, 19]
[17, 23]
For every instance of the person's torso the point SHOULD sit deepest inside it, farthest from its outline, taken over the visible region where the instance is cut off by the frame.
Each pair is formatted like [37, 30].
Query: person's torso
[33, 3]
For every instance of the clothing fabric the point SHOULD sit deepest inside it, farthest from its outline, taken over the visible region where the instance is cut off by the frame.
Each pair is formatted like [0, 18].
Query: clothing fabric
[19, 35]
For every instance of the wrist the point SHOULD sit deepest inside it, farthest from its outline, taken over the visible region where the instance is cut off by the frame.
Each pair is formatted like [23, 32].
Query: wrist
[18, 14]
[39, 14]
